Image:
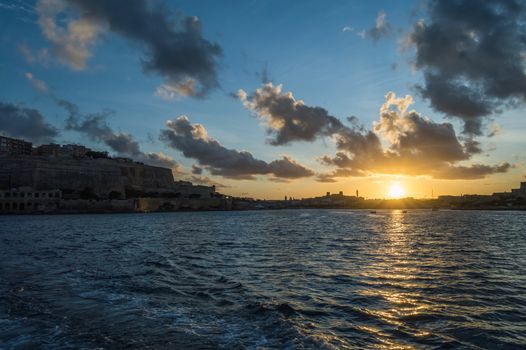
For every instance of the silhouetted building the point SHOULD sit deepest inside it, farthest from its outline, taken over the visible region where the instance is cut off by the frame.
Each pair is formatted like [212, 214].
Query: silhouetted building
[14, 146]
[48, 150]
[515, 192]
[519, 192]
[55, 150]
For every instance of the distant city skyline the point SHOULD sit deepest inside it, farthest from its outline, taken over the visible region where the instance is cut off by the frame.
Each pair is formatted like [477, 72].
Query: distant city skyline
[265, 99]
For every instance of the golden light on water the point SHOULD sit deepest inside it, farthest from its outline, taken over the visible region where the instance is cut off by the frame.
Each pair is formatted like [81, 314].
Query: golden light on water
[396, 190]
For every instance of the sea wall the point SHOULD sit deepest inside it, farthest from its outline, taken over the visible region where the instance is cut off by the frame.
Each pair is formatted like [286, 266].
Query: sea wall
[97, 206]
[176, 204]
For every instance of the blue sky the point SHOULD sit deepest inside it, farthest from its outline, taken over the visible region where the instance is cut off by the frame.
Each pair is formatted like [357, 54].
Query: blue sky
[302, 45]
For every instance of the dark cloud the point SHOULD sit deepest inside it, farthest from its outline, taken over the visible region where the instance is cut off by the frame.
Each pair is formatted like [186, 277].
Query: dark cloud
[174, 49]
[417, 146]
[26, 123]
[96, 128]
[288, 119]
[205, 181]
[472, 56]
[193, 141]
[158, 159]
[475, 171]
[197, 170]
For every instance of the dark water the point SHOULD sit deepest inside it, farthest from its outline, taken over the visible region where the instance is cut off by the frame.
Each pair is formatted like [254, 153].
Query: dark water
[267, 279]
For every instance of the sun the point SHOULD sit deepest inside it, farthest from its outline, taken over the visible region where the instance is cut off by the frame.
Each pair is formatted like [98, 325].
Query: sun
[396, 190]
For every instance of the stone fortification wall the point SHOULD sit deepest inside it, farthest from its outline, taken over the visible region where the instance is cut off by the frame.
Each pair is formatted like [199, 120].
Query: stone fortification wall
[101, 175]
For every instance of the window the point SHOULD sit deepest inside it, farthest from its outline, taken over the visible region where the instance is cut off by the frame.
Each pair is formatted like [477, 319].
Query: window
[36, 195]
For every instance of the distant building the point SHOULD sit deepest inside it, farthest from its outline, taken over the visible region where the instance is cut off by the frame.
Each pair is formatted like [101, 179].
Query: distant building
[81, 173]
[77, 151]
[54, 150]
[14, 146]
[519, 192]
[49, 150]
[515, 192]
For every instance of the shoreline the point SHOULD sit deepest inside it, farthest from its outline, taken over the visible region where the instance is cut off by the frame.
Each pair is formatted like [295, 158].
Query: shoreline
[408, 210]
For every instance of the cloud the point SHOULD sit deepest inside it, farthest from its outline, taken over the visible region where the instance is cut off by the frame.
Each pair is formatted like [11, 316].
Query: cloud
[36, 83]
[193, 141]
[174, 91]
[71, 44]
[494, 130]
[26, 123]
[381, 29]
[472, 56]
[175, 50]
[416, 146]
[205, 181]
[96, 128]
[197, 170]
[158, 159]
[41, 56]
[288, 119]
[475, 171]
[414, 136]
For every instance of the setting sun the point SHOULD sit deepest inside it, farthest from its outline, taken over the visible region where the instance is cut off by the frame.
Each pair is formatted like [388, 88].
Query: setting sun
[396, 190]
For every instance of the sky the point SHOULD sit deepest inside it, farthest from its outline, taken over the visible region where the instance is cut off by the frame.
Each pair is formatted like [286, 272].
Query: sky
[268, 99]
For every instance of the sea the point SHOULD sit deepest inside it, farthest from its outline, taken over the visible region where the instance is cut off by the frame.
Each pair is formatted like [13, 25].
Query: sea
[283, 279]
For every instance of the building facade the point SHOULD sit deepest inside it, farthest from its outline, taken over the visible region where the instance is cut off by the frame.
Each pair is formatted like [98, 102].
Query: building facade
[27, 200]
[14, 146]
[519, 192]
[55, 150]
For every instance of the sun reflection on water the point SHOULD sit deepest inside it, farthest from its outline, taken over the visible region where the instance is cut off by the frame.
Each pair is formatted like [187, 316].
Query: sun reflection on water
[396, 284]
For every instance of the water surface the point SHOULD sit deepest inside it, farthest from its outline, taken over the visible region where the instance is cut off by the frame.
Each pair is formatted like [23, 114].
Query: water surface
[264, 279]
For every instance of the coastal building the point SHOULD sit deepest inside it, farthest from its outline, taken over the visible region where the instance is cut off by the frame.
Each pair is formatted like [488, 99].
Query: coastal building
[55, 150]
[515, 192]
[14, 146]
[28, 200]
[519, 192]
[82, 174]
[331, 200]
[74, 178]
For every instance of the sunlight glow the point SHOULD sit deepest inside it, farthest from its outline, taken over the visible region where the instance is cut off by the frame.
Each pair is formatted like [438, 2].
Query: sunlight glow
[396, 190]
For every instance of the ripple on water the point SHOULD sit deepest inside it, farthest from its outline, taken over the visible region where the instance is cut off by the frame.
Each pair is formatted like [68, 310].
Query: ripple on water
[269, 279]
